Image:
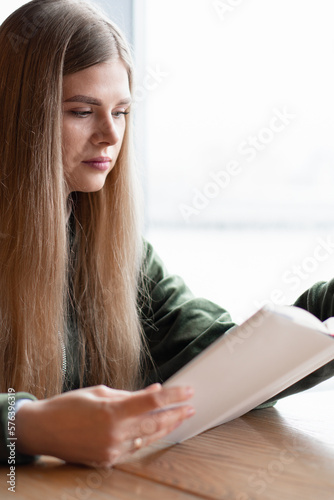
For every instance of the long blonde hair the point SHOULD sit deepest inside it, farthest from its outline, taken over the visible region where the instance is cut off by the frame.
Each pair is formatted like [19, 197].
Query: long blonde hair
[48, 282]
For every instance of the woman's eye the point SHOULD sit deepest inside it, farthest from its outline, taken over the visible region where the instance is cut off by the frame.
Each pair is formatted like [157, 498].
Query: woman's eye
[81, 114]
[118, 114]
[84, 114]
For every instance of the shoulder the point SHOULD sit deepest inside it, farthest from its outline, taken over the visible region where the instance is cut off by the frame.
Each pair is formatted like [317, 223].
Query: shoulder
[153, 268]
[319, 300]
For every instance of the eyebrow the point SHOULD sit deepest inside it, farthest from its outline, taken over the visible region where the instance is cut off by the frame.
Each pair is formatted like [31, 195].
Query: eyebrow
[92, 100]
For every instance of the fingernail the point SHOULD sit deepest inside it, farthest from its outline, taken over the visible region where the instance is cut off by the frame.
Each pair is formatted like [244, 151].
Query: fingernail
[190, 412]
[153, 387]
[189, 391]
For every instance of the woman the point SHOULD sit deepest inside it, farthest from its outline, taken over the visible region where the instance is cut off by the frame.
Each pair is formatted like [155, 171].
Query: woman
[85, 305]
[82, 301]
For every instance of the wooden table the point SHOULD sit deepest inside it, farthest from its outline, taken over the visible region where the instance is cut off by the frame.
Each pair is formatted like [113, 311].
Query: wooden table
[282, 453]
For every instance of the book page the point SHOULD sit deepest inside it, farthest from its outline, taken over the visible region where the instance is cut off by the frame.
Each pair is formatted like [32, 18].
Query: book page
[300, 316]
[250, 364]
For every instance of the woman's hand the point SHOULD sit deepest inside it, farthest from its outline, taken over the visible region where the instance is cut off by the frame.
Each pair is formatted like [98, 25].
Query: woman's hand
[99, 426]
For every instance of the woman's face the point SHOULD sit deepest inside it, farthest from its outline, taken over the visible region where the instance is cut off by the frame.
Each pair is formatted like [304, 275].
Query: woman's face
[95, 101]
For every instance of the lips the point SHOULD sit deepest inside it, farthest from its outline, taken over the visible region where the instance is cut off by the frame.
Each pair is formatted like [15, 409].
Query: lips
[99, 163]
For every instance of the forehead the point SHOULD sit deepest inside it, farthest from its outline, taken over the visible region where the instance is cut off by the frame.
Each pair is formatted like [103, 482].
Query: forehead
[108, 80]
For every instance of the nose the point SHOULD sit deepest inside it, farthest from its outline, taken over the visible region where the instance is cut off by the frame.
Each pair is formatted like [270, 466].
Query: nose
[106, 132]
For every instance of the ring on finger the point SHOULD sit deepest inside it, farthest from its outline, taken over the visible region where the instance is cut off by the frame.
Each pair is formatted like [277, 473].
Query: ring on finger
[137, 443]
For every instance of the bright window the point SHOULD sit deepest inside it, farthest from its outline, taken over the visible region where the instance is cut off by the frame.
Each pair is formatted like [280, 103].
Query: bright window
[239, 145]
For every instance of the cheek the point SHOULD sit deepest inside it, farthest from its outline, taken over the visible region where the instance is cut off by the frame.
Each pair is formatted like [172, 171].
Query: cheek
[66, 141]
[70, 142]
[120, 143]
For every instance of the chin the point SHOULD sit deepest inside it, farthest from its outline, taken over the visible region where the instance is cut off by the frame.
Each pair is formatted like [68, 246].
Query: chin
[93, 189]
[90, 187]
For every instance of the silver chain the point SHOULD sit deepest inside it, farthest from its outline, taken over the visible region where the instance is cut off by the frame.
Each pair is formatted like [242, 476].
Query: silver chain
[63, 348]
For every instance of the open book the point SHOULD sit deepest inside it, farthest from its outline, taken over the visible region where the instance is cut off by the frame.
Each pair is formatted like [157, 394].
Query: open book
[249, 364]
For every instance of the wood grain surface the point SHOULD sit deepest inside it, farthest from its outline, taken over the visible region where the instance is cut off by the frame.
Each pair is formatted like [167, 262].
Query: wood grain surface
[276, 454]
[282, 453]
